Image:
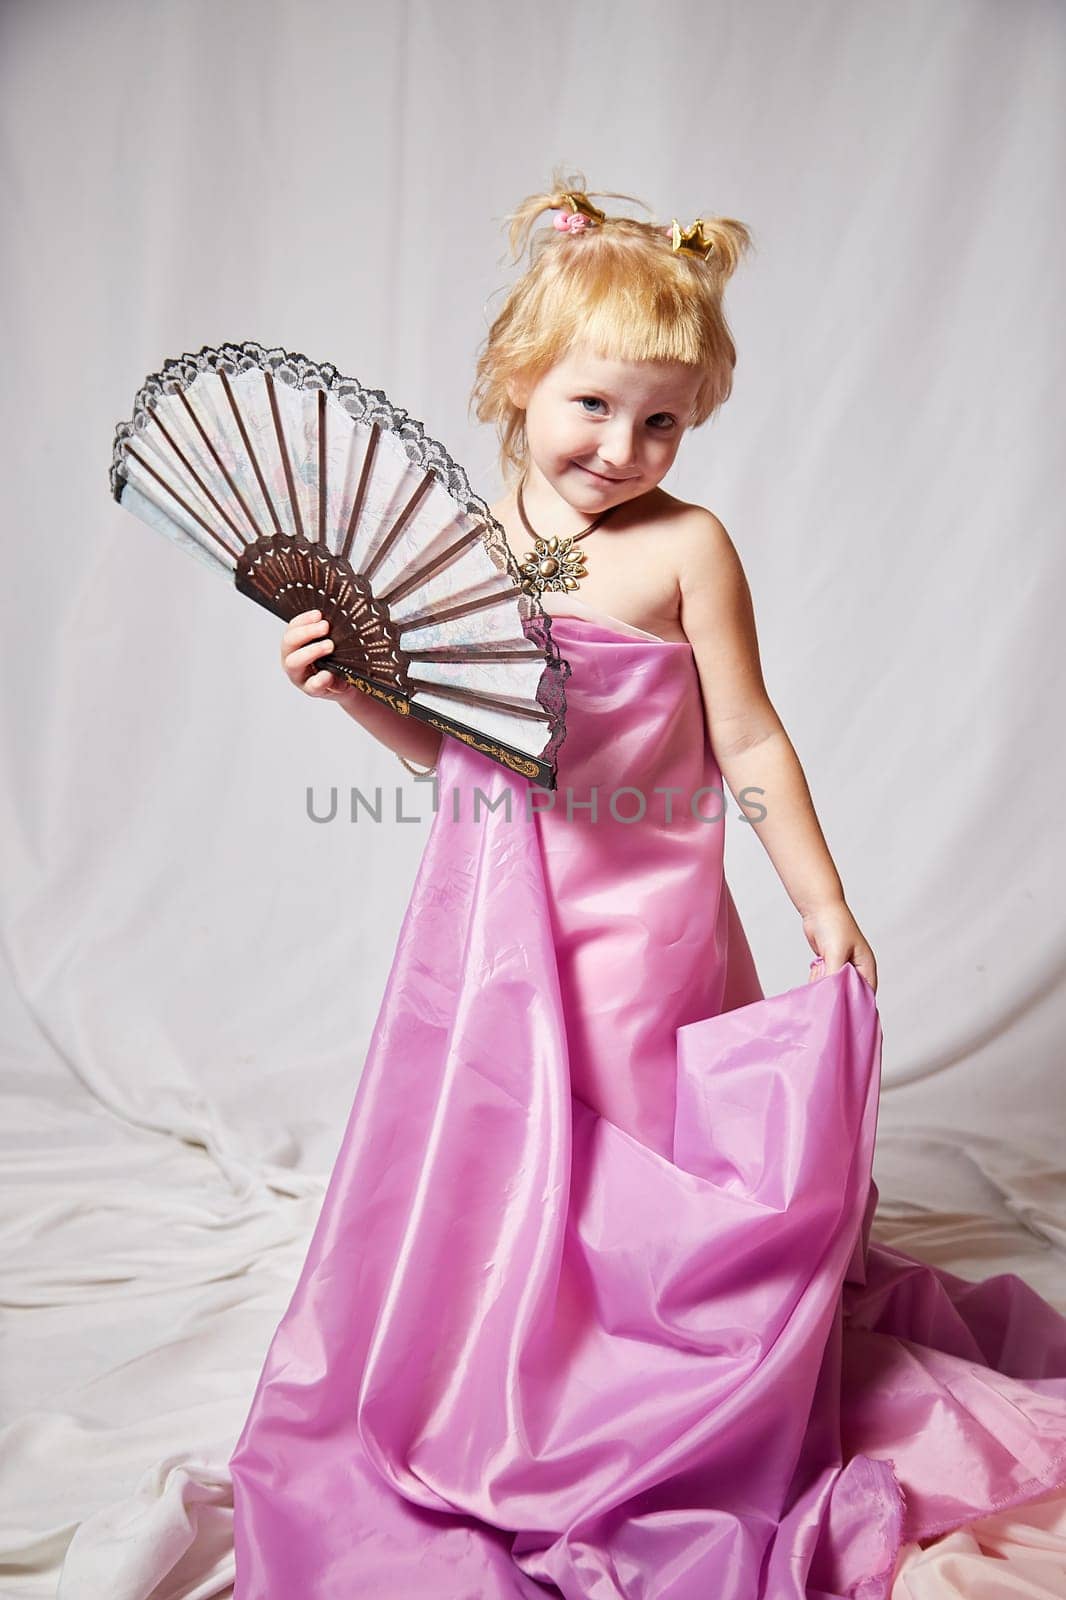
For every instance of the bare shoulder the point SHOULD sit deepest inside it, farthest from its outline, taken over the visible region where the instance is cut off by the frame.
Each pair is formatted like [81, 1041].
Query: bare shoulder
[702, 534]
[713, 587]
[680, 524]
[718, 619]
[694, 546]
[704, 553]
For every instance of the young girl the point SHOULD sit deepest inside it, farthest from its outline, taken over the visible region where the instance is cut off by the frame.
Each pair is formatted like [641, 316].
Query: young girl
[592, 1307]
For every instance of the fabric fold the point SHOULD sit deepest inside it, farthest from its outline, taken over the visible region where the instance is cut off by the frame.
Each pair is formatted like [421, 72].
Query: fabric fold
[592, 1307]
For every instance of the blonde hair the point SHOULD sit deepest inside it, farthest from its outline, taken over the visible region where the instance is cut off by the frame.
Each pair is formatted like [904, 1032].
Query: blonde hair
[618, 287]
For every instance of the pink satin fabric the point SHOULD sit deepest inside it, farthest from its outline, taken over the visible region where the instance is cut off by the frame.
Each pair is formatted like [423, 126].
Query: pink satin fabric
[592, 1308]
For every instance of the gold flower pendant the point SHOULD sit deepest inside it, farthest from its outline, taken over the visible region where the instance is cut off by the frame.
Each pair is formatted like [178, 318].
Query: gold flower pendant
[552, 564]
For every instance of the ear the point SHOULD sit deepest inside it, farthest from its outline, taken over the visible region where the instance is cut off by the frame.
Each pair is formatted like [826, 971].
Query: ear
[518, 392]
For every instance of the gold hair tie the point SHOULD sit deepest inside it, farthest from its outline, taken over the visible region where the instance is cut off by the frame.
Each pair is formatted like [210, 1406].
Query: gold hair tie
[580, 202]
[690, 239]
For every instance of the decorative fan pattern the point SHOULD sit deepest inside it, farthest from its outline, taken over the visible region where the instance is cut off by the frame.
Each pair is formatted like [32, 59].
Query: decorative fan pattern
[308, 490]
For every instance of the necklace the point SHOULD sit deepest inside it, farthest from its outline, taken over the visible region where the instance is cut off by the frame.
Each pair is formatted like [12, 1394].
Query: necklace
[553, 563]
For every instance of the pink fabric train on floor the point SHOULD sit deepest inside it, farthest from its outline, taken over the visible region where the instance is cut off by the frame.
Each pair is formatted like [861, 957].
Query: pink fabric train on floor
[592, 1307]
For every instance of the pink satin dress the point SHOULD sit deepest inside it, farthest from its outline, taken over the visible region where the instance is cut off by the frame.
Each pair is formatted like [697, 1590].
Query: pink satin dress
[592, 1308]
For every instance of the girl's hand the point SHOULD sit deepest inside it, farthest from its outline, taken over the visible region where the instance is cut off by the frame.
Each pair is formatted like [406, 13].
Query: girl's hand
[834, 936]
[302, 643]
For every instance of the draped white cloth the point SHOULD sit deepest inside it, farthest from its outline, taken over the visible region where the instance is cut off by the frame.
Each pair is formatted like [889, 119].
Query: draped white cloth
[192, 965]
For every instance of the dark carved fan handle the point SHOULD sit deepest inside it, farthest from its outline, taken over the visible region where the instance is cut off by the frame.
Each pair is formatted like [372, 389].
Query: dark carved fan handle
[291, 575]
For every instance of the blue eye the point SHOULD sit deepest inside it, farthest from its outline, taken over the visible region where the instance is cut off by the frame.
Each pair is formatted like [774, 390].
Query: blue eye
[662, 421]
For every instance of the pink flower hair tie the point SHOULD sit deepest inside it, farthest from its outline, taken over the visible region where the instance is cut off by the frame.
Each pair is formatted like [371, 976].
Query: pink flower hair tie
[570, 222]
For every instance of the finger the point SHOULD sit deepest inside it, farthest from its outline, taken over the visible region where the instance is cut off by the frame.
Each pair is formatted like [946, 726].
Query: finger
[333, 680]
[869, 971]
[302, 627]
[304, 616]
[324, 685]
[293, 636]
[308, 653]
[336, 681]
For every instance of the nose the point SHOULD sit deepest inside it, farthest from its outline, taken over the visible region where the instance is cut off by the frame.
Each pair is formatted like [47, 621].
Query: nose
[617, 446]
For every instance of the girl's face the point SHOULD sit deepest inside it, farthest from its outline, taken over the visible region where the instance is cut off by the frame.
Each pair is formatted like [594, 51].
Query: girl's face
[602, 431]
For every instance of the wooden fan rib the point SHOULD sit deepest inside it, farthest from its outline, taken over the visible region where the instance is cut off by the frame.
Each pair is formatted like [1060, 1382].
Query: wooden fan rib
[364, 478]
[399, 525]
[466, 608]
[358, 607]
[191, 470]
[322, 468]
[223, 469]
[488, 702]
[252, 457]
[474, 653]
[286, 463]
[427, 570]
[193, 513]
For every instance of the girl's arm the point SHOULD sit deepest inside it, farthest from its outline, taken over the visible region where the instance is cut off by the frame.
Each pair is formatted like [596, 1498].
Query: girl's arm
[303, 642]
[414, 740]
[751, 745]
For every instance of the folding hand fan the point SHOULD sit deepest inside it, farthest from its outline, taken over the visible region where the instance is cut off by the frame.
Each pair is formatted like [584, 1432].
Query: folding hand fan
[313, 492]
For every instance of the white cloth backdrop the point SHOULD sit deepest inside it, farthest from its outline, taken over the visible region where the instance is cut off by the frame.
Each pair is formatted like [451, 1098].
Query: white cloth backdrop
[191, 965]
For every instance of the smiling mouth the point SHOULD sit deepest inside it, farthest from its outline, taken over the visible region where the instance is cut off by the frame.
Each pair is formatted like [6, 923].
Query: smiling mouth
[601, 476]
